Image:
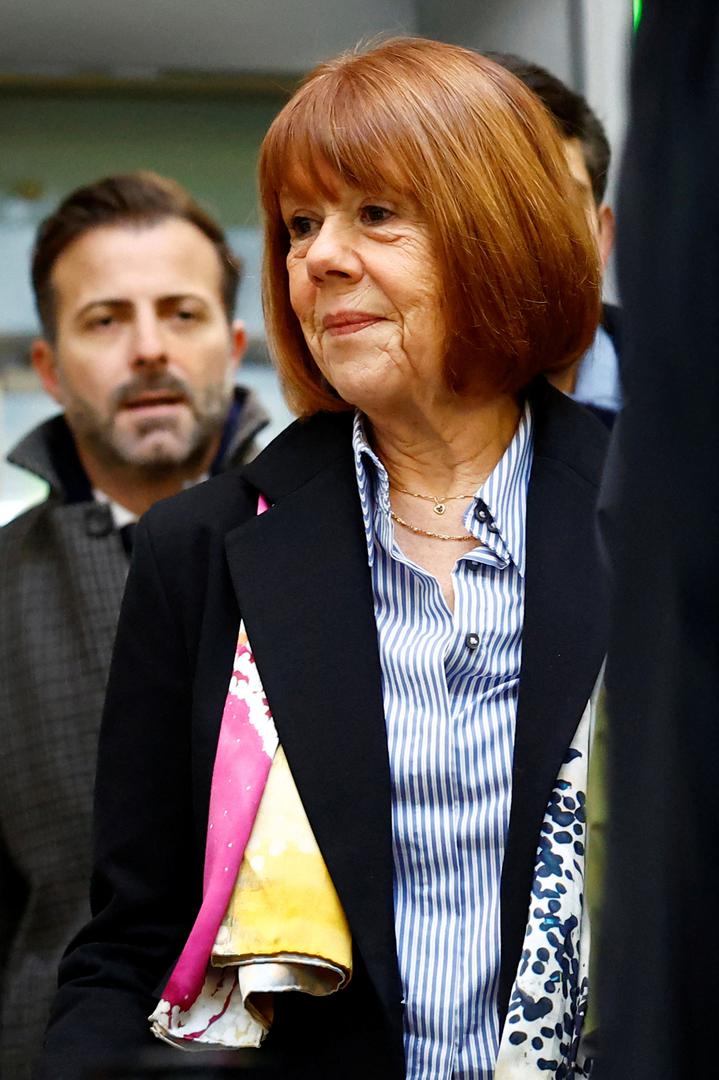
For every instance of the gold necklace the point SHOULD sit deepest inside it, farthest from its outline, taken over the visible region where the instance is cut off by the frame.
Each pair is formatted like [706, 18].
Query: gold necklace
[428, 532]
[439, 503]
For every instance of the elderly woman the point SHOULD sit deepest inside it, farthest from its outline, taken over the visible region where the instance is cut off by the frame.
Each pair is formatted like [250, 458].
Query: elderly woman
[383, 775]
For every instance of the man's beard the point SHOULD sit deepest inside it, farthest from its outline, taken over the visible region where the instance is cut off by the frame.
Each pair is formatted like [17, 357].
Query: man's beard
[130, 445]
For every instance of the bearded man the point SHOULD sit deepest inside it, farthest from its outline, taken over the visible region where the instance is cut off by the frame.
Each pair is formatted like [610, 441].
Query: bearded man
[135, 289]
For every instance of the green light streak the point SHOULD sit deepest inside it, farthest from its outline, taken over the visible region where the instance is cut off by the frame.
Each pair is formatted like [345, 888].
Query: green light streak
[637, 5]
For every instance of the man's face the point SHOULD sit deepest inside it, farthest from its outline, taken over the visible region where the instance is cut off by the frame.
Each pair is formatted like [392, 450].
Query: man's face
[144, 358]
[601, 218]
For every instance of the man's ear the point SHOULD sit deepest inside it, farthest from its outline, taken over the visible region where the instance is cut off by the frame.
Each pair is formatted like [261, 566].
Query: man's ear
[239, 341]
[42, 356]
[605, 238]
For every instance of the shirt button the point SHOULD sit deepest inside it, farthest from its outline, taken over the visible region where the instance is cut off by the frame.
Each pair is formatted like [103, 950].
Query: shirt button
[472, 641]
[483, 515]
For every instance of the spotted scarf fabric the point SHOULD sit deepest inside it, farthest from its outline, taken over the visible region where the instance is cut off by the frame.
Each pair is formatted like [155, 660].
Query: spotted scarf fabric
[543, 1031]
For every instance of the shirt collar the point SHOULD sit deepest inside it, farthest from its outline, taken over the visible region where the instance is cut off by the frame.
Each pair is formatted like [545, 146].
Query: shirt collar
[121, 516]
[372, 482]
[504, 494]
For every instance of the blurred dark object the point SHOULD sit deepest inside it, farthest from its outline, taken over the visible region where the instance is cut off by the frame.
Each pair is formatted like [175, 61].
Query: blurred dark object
[157, 1064]
[660, 520]
[264, 1064]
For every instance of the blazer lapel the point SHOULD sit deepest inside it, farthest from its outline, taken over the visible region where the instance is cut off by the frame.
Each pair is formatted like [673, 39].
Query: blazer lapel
[303, 586]
[563, 643]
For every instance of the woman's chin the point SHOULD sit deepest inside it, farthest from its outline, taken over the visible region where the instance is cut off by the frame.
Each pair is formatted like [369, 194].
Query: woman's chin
[372, 397]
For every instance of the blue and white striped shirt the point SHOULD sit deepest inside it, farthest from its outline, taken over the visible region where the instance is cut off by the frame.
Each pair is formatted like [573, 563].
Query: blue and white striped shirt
[450, 706]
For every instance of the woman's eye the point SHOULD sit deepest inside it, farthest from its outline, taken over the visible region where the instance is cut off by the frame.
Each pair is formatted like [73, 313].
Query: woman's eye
[374, 215]
[300, 226]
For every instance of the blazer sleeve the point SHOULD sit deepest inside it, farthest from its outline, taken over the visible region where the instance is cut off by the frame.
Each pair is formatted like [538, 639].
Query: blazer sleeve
[147, 860]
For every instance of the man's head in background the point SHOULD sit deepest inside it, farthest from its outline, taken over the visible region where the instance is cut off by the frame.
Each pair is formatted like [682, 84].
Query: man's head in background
[585, 143]
[135, 289]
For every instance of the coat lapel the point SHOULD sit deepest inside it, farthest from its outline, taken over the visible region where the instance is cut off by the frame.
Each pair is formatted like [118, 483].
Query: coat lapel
[563, 643]
[303, 586]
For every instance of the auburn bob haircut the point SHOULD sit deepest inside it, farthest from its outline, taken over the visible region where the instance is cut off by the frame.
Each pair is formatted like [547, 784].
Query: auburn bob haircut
[476, 150]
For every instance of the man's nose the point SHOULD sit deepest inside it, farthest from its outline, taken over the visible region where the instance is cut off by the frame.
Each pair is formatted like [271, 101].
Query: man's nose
[149, 343]
[333, 253]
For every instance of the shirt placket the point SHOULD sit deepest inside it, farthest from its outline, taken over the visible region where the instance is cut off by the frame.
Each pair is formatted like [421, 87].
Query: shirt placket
[463, 664]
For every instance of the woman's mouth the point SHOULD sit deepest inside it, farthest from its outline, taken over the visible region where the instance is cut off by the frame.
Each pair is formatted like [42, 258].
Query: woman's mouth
[349, 322]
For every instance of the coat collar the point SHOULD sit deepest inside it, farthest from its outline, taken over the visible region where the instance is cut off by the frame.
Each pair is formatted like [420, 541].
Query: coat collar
[304, 589]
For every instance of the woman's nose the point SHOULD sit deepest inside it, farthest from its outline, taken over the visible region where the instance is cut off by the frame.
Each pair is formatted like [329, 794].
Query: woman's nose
[333, 253]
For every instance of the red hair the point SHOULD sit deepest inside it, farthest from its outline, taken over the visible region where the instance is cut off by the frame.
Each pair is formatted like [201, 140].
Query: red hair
[475, 149]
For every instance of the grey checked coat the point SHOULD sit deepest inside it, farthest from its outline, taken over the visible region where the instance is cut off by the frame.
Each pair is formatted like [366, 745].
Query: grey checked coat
[62, 574]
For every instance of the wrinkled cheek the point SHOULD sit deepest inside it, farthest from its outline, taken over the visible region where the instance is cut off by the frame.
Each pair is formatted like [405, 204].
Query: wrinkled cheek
[314, 344]
[301, 298]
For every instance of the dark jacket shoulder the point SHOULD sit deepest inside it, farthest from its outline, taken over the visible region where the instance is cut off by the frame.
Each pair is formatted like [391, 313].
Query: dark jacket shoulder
[14, 534]
[222, 503]
[567, 433]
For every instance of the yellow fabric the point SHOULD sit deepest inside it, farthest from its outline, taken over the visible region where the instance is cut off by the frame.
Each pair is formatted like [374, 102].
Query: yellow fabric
[284, 905]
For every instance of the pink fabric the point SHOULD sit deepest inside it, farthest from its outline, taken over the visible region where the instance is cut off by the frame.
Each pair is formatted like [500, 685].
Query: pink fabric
[245, 748]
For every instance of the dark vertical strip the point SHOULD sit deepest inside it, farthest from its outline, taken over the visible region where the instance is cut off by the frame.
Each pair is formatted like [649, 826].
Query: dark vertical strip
[661, 950]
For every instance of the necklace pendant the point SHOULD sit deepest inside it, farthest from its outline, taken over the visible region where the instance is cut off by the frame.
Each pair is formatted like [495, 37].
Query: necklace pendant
[439, 508]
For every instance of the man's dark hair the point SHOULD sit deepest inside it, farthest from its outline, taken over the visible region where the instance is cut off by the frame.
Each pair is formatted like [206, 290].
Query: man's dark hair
[137, 199]
[570, 112]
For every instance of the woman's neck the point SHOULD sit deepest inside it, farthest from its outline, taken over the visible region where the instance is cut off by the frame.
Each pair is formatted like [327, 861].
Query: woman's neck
[445, 451]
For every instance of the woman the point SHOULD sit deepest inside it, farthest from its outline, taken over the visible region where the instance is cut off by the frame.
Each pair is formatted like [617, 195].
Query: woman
[413, 571]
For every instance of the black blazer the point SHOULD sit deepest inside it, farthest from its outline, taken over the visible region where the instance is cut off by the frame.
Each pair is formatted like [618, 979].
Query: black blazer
[299, 576]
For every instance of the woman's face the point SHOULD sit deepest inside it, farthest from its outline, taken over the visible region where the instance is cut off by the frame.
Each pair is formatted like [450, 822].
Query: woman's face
[365, 287]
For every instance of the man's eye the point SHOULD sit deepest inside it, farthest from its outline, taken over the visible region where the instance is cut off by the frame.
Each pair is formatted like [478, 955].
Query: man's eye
[374, 215]
[185, 315]
[300, 226]
[101, 320]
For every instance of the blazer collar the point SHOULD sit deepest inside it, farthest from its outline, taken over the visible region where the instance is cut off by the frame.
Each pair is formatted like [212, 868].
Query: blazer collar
[299, 453]
[304, 589]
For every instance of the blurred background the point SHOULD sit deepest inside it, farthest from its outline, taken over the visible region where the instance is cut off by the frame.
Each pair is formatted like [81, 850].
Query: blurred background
[94, 87]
